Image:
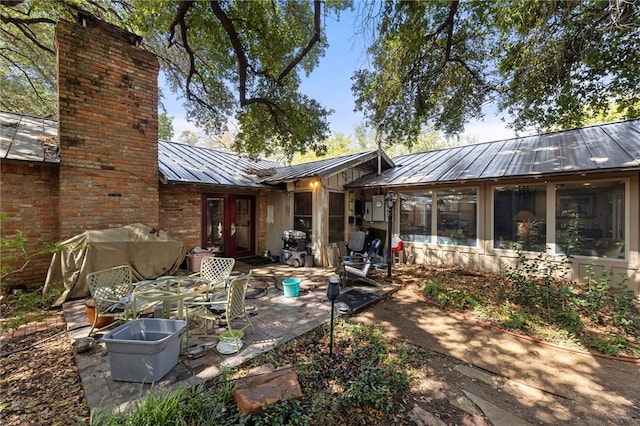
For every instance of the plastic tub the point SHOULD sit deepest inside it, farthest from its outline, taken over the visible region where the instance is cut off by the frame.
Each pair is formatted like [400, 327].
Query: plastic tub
[291, 287]
[194, 260]
[144, 350]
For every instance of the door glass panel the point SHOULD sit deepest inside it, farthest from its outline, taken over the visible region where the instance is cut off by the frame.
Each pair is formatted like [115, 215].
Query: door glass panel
[243, 225]
[336, 217]
[519, 217]
[457, 217]
[303, 213]
[415, 217]
[215, 224]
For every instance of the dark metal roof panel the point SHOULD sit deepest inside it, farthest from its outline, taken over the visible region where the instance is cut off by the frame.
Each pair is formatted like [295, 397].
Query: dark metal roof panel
[28, 138]
[613, 146]
[488, 152]
[414, 168]
[623, 134]
[192, 164]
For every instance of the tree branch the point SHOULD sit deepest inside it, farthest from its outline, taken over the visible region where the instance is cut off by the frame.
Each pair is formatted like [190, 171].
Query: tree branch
[449, 23]
[236, 44]
[179, 20]
[317, 31]
[23, 26]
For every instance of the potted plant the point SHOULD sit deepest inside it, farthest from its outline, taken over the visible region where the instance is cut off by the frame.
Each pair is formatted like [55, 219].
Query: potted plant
[90, 309]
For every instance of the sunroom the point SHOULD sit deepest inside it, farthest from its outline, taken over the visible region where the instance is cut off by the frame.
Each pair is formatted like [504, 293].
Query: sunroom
[571, 193]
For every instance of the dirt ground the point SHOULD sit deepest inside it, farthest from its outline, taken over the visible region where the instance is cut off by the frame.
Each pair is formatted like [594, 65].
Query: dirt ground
[476, 375]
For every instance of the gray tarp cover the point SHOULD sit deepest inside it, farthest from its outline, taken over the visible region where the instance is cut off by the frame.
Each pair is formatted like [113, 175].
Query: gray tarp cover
[149, 254]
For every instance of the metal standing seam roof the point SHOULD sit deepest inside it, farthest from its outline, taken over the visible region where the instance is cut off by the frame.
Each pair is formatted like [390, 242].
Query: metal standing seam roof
[604, 147]
[327, 167]
[27, 138]
[182, 163]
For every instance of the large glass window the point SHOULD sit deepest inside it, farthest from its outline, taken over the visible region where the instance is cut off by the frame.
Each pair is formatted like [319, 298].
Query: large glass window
[336, 217]
[457, 217]
[303, 212]
[415, 217]
[595, 210]
[519, 217]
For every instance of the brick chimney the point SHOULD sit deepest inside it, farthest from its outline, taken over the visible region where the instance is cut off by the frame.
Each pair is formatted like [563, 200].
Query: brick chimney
[108, 128]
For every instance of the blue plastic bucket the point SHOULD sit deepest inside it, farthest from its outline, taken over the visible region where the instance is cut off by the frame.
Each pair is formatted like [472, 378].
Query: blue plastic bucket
[291, 287]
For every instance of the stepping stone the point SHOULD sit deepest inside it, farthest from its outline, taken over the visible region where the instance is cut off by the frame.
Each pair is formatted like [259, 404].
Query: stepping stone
[496, 415]
[266, 385]
[422, 417]
[463, 403]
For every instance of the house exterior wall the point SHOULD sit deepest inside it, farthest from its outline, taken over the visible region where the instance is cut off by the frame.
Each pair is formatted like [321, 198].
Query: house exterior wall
[181, 213]
[29, 194]
[280, 203]
[108, 129]
[487, 258]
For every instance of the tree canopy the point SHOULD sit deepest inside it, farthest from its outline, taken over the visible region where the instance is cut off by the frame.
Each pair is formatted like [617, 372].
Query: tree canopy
[434, 63]
[548, 64]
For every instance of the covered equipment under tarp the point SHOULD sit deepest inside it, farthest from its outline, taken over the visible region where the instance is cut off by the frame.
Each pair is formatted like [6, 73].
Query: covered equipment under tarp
[149, 252]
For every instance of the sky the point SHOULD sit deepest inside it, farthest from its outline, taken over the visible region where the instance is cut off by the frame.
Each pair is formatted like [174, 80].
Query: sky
[330, 84]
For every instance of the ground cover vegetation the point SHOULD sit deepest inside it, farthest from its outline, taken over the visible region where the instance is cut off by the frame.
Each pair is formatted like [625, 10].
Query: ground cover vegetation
[431, 64]
[536, 298]
[371, 379]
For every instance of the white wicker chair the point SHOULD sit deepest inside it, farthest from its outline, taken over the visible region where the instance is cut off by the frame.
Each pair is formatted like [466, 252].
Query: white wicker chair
[203, 316]
[216, 270]
[112, 290]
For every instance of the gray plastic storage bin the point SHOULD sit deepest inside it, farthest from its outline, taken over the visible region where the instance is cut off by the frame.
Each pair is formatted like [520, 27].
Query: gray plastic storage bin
[144, 350]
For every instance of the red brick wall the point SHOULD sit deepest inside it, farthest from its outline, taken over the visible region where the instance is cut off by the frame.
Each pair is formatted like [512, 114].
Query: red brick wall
[180, 213]
[181, 209]
[29, 197]
[108, 129]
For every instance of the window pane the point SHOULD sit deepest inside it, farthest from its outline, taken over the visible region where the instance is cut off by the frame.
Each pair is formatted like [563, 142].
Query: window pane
[303, 210]
[457, 217]
[336, 217]
[597, 209]
[415, 217]
[519, 217]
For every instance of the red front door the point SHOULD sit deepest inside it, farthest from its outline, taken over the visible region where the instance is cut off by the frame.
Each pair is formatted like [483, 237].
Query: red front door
[229, 224]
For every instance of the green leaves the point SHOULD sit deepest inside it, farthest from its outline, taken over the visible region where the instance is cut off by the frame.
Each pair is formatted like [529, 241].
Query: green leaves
[231, 61]
[549, 64]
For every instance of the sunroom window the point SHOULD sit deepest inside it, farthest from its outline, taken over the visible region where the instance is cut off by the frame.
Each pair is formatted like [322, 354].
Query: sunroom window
[519, 217]
[590, 219]
[457, 217]
[415, 217]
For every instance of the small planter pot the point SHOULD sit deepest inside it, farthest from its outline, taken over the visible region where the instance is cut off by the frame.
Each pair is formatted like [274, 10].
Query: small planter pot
[91, 313]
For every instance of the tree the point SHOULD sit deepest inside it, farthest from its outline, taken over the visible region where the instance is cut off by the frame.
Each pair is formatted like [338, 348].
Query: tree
[165, 126]
[544, 62]
[189, 137]
[434, 63]
[240, 59]
[338, 145]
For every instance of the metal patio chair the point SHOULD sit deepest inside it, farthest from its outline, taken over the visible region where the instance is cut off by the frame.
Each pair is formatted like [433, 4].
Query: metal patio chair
[215, 270]
[202, 317]
[111, 290]
[353, 272]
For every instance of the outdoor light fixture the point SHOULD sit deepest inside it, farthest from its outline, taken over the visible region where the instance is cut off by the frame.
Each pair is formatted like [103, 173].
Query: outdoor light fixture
[333, 293]
[390, 199]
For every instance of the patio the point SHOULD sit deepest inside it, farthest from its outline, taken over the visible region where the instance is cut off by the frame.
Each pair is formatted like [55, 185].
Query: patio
[276, 320]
